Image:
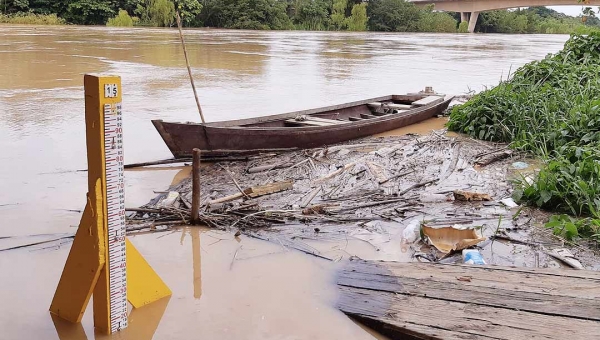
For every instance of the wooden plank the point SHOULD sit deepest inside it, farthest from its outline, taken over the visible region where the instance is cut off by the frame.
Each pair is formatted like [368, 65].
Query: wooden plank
[428, 100]
[315, 121]
[269, 188]
[294, 122]
[395, 106]
[379, 114]
[458, 291]
[426, 318]
[355, 119]
[436, 301]
[325, 120]
[367, 116]
[517, 279]
[257, 191]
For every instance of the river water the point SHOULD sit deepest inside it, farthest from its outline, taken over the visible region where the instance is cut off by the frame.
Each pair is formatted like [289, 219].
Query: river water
[238, 74]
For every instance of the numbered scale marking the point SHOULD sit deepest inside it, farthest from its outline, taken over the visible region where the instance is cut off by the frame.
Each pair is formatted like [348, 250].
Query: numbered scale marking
[115, 203]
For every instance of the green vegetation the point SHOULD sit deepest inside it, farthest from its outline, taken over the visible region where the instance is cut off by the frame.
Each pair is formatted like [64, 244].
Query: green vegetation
[245, 14]
[311, 14]
[393, 16]
[32, 19]
[338, 14]
[431, 21]
[123, 20]
[550, 108]
[351, 15]
[536, 20]
[358, 18]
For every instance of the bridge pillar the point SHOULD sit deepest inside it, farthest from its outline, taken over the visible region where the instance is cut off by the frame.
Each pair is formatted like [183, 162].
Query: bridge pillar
[464, 16]
[473, 21]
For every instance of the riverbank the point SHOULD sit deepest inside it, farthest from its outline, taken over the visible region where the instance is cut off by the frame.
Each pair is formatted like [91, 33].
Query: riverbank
[32, 19]
[549, 108]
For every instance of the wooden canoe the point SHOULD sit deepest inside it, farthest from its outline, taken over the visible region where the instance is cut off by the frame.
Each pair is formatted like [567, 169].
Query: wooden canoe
[301, 129]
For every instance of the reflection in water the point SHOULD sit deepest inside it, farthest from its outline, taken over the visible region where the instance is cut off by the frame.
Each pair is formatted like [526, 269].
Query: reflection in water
[67, 330]
[196, 257]
[143, 323]
[197, 260]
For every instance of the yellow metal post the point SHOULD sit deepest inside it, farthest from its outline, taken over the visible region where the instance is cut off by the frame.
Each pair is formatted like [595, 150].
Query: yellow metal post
[88, 268]
[144, 286]
[86, 260]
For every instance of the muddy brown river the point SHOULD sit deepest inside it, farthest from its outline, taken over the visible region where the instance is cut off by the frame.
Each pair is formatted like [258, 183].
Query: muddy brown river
[269, 293]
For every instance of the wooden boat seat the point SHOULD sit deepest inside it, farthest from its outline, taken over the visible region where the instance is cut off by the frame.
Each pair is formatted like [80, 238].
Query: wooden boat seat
[376, 105]
[312, 121]
[428, 100]
[379, 114]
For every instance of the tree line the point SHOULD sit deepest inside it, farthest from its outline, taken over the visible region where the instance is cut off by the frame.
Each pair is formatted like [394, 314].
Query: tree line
[352, 15]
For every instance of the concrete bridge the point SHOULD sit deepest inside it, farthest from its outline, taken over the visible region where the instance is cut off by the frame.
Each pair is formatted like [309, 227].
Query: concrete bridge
[470, 9]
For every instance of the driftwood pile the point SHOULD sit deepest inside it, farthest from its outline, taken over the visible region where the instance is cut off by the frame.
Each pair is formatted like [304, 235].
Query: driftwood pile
[326, 192]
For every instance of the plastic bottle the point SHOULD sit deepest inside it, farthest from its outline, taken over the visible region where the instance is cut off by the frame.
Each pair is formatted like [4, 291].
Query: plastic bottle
[410, 235]
[472, 256]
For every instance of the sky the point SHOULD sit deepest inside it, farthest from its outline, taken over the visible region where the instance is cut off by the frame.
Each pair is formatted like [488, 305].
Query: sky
[570, 10]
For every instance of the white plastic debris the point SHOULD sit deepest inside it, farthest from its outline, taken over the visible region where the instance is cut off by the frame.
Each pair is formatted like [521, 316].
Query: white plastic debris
[472, 256]
[520, 165]
[412, 232]
[432, 198]
[172, 196]
[566, 257]
[509, 202]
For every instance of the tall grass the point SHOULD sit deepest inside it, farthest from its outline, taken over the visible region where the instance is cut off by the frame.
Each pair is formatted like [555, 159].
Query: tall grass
[550, 108]
[32, 19]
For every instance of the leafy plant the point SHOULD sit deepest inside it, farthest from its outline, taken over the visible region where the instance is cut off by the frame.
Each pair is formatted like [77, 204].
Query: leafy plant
[569, 227]
[563, 225]
[358, 19]
[550, 108]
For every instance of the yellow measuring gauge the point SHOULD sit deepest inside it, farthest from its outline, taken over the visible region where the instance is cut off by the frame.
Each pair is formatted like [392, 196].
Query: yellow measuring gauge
[115, 203]
[101, 260]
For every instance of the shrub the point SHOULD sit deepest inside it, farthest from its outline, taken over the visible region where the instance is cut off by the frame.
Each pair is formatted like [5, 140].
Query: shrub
[32, 19]
[550, 108]
[122, 20]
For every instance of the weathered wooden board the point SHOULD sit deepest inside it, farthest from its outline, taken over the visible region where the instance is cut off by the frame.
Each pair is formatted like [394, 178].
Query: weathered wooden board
[377, 105]
[428, 100]
[436, 301]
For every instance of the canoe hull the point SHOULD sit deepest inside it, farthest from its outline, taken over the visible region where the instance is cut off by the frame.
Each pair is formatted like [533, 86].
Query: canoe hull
[215, 140]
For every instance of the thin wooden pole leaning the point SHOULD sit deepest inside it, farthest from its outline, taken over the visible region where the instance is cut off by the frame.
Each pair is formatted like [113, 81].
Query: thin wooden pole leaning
[196, 187]
[187, 62]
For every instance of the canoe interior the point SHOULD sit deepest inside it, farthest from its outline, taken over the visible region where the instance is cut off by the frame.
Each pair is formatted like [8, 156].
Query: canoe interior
[340, 113]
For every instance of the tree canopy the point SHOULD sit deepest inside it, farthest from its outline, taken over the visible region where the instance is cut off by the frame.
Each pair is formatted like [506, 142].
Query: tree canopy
[353, 15]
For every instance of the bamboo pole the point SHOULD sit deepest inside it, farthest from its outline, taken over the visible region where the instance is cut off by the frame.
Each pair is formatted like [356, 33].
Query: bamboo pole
[188, 66]
[196, 187]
